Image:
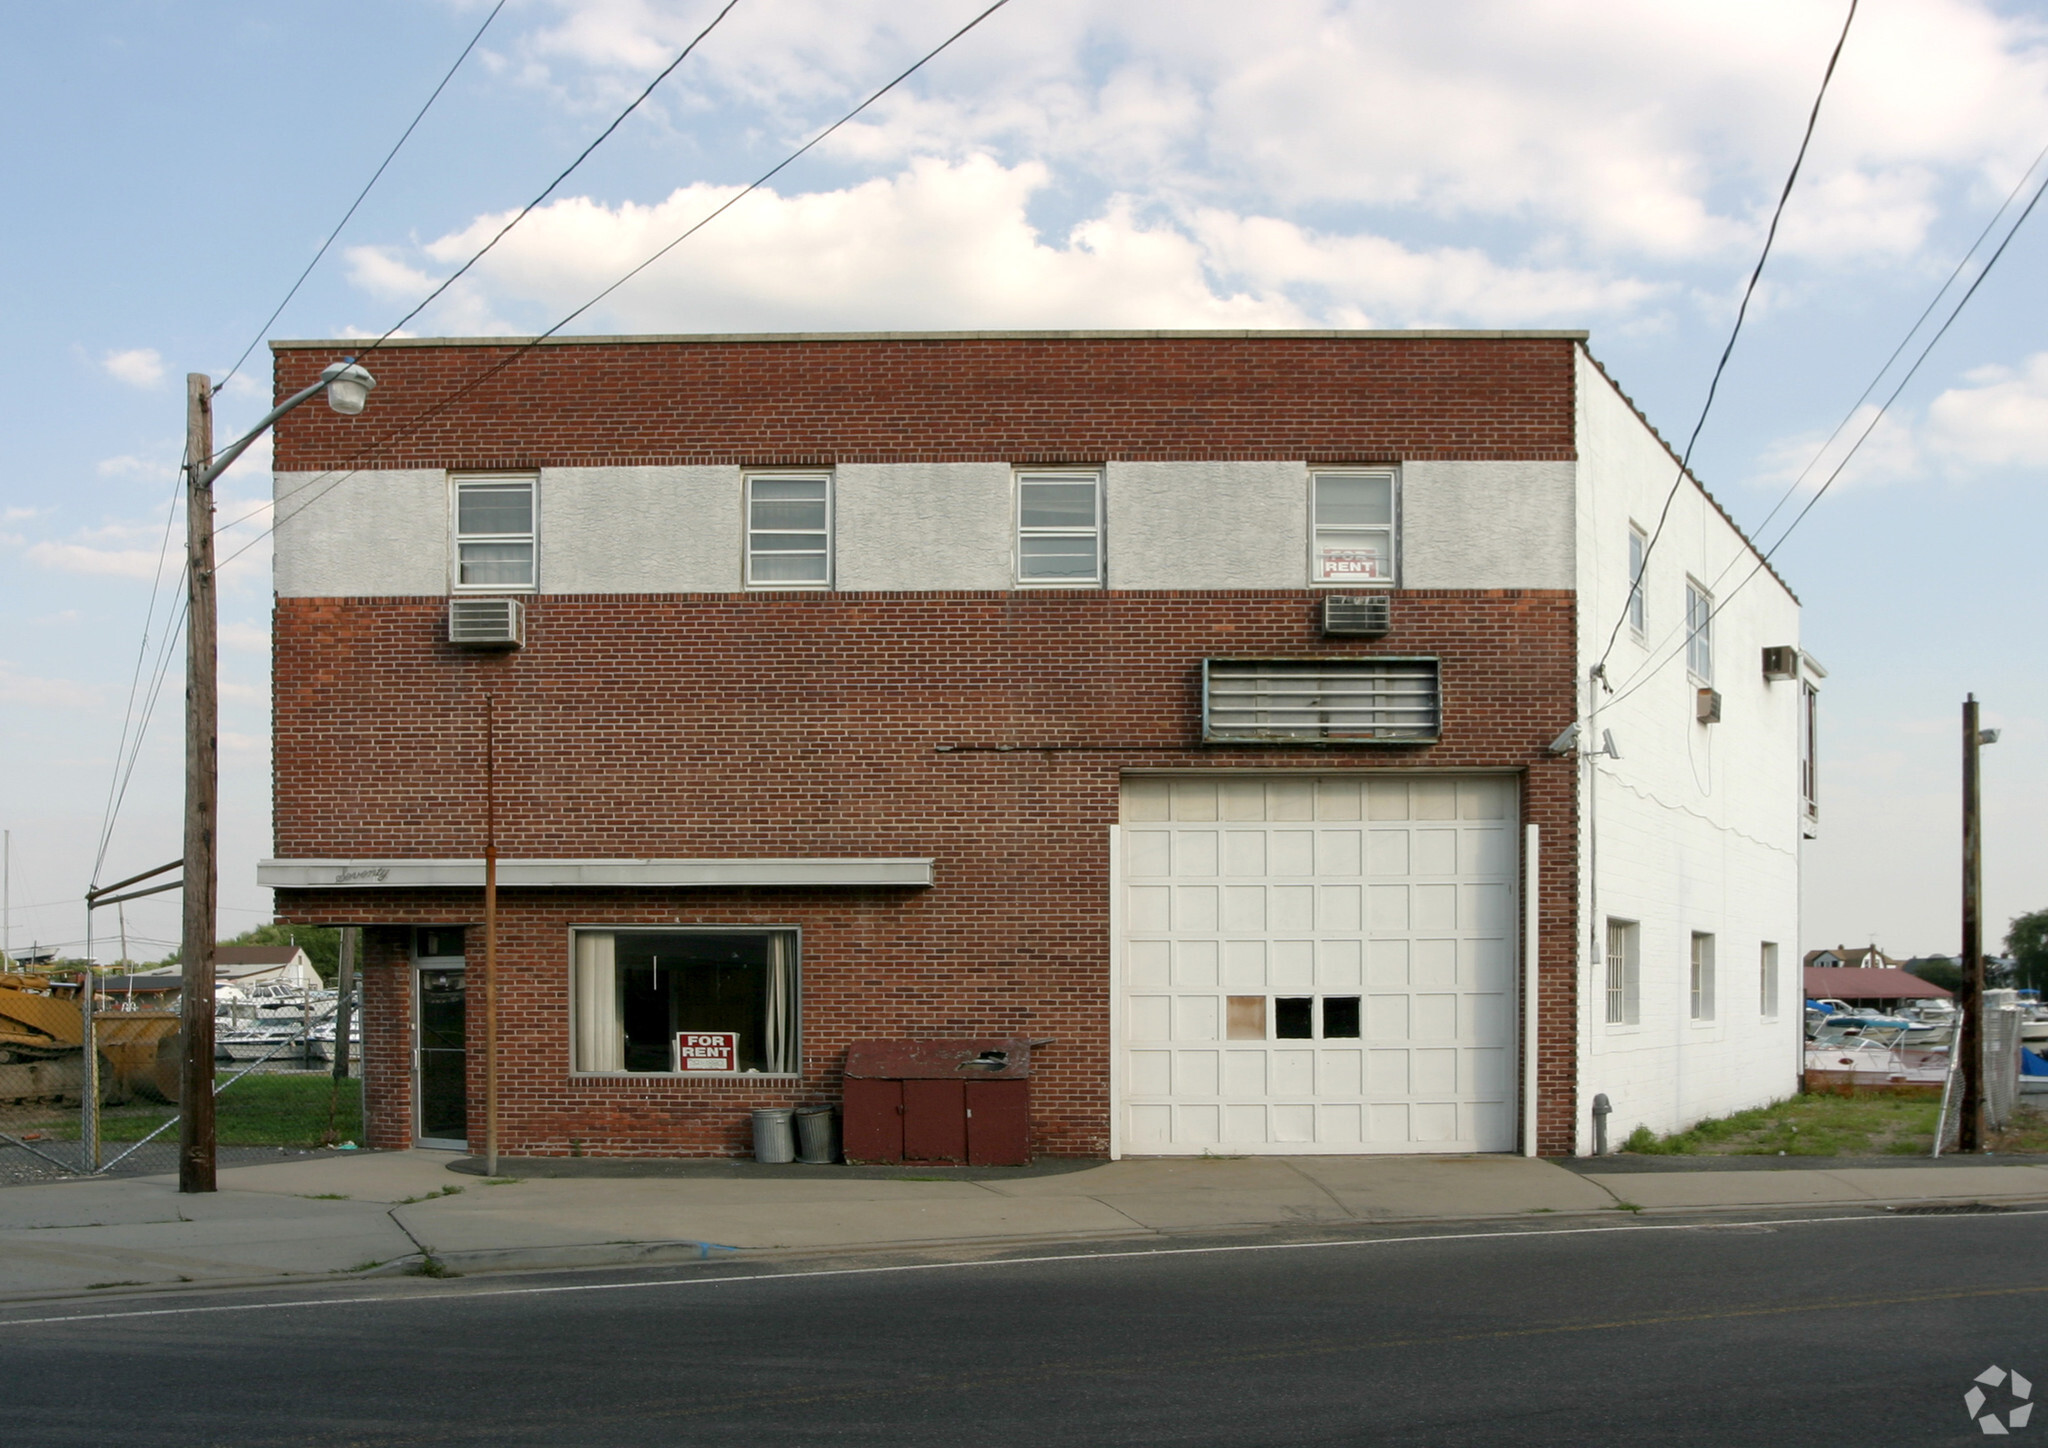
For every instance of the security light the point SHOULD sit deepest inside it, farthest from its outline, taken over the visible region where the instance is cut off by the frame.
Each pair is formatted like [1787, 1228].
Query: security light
[348, 386]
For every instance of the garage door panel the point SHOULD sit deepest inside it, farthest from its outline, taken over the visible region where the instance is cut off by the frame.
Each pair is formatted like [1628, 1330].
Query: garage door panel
[1374, 914]
[1197, 1073]
[1294, 966]
[1339, 853]
[1195, 965]
[1244, 965]
[1338, 965]
[1195, 1018]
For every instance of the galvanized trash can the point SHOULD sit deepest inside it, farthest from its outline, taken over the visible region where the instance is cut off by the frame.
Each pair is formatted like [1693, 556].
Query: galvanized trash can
[774, 1138]
[817, 1135]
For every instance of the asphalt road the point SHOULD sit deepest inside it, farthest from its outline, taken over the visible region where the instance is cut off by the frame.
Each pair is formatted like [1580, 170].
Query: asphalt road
[1803, 1331]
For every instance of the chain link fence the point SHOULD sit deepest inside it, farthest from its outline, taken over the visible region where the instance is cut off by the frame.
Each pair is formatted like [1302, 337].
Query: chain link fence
[2001, 1078]
[277, 1083]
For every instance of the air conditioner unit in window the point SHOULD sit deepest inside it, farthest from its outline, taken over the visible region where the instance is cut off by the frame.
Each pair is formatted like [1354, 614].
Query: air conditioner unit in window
[486, 623]
[1708, 707]
[1369, 615]
[1781, 662]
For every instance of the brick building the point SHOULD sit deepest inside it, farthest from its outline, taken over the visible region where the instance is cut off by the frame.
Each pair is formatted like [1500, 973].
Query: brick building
[1193, 703]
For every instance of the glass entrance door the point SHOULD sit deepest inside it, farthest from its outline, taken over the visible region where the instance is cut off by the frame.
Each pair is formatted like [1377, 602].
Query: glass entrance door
[443, 1058]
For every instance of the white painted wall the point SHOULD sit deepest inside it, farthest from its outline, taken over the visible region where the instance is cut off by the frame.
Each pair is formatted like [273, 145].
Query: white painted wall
[917, 526]
[1207, 525]
[1698, 826]
[362, 534]
[640, 530]
[1487, 525]
[930, 526]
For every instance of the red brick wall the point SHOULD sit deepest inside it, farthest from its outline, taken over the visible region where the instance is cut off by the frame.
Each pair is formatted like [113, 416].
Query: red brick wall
[1006, 399]
[988, 731]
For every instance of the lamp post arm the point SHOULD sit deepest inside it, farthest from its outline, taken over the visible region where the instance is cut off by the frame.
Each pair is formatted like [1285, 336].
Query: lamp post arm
[235, 449]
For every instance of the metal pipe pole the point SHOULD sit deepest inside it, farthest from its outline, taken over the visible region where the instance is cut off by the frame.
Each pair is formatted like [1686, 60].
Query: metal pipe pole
[490, 936]
[1970, 1039]
[202, 797]
[88, 1063]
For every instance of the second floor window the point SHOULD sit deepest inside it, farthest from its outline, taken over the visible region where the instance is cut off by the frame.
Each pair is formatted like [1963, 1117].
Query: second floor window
[494, 533]
[1353, 527]
[1059, 527]
[1699, 632]
[789, 530]
[1638, 554]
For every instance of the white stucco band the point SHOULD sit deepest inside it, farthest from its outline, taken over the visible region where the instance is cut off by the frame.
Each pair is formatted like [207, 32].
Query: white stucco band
[1488, 525]
[364, 534]
[640, 530]
[530, 874]
[918, 526]
[1207, 524]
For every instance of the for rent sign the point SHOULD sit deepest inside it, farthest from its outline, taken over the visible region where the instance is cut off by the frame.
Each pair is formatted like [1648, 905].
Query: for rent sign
[708, 1050]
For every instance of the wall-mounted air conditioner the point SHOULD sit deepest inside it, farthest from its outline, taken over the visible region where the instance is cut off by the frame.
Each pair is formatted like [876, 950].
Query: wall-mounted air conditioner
[1707, 708]
[1367, 615]
[1781, 662]
[486, 623]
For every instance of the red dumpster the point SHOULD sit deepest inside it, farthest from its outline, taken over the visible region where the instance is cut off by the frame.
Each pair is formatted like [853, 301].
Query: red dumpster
[948, 1101]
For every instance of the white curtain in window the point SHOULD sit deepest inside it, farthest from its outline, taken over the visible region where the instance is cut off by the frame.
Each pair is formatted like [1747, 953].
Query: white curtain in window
[781, 1051]
[600, 1041]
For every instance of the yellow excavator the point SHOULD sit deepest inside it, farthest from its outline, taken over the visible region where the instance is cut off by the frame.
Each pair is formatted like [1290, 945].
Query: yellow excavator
[42, 1057]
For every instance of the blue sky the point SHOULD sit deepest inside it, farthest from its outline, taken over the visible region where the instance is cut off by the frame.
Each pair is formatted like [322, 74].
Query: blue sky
[1481, 163]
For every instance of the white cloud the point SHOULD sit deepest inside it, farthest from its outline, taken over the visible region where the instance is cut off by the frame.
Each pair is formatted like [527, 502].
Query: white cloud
[1999, 420]
[83, 558]
[26, 689]
[952, 244]
[138, 367]
[245, 638]
[128, 465]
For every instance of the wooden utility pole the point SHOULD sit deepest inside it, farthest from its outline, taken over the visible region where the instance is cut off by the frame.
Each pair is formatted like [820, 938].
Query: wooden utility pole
[202, 797]
[1970, 1133]
[344, 1002]
[490, 936]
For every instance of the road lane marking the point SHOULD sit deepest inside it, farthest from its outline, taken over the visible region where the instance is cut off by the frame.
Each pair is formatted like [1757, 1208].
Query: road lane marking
[1529, 1233]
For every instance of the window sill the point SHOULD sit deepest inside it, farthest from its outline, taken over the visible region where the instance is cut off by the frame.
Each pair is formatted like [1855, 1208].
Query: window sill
[780, 1076]
[1355, 585]
[490, 590]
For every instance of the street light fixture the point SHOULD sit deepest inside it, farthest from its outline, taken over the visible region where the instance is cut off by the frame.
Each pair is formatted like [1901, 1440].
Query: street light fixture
[347, 386]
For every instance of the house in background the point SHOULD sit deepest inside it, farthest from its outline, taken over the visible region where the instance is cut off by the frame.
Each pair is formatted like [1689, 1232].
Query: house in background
[1218, 710]
[246, 965]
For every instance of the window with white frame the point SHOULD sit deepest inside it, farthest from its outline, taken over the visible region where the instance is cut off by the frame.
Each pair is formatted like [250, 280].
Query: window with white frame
[1059, 527]
[1767, 980]
[1638, 556]
[789, 530]
[1624, 973]
[685, 1002]
[1699, 632]
[1702, 977]
[1809, 744]
[494, 533]
[1352, 526]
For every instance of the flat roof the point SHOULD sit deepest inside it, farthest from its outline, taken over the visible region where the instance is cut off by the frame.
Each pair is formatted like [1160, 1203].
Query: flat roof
[1238, 335]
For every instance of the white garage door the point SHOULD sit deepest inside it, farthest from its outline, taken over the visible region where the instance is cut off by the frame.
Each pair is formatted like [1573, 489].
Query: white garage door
[1317, 964]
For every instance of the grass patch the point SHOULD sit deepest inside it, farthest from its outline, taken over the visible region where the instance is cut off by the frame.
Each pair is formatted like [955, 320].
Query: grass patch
[1827, 1124]
[499, 1182]
[326, 1196]
[428, 1197]
[301, 1109]
[432, 1266]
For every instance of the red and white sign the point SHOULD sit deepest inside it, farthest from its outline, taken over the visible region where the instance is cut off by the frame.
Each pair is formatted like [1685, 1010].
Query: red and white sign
[708, 1050]
[1351, 563]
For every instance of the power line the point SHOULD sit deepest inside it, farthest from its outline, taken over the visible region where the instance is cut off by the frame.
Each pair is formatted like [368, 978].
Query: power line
[549, 189]
[356, 465]
[340, 225]
[1962, 264]
[1644, 675]
[1741, 312]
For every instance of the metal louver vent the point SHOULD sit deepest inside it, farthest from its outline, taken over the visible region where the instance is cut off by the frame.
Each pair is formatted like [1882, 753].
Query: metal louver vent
[486, 623]
[1321, 701]
[1370, 614]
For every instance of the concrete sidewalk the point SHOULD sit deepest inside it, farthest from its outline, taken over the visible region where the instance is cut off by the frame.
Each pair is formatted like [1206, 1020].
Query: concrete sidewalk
[375, 1212]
